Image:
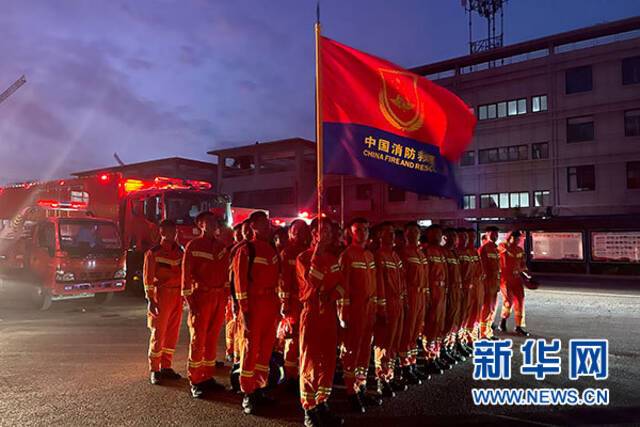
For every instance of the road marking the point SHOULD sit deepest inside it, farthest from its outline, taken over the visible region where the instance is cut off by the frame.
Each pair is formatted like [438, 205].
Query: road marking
[594, 294]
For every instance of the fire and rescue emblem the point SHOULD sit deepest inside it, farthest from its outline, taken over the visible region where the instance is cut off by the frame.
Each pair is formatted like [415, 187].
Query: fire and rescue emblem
[399, 101]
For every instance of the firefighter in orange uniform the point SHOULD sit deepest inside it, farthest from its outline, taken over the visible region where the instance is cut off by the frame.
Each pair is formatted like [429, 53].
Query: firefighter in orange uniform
[391, 299]
[491, 267]
[468, 291]
[361, 295]
[476, 290]
[319, 277]
[416, 271]
[454, 299]
[256, 268]
[298, 242]
[162, 272]
[511, 285]
[229, 316]
[205, 288]
[437, 303]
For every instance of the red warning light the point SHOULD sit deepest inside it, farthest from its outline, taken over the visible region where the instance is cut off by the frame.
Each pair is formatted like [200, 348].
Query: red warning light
[104, 178]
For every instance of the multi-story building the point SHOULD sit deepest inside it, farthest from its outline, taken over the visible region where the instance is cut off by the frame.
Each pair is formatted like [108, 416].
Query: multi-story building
[277, 175]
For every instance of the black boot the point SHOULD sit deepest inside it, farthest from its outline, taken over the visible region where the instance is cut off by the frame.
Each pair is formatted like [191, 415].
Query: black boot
[384, 389]
[211, 385]
[249, 404]
[328, 418]
[312, 418]
[197, 392]
[420, 374]
[521, 331]
[262, 398]
[433, 368]
[447, 357]
[356, 403]
[169, 374]
[369, 399]
[503, 325]
[410, 377]
[293, 386]
[155, 378]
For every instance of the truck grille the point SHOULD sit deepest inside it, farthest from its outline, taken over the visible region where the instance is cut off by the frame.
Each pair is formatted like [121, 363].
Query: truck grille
[90, 276]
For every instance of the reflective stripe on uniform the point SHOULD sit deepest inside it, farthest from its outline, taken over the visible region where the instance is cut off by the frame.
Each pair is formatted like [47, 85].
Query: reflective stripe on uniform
[241, 295]
[200, 254]
[315, 273]
[172, 262]
[260, 260]
[261, 368]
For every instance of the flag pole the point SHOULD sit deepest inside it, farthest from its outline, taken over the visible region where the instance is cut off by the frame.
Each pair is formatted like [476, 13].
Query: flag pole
[319, 141]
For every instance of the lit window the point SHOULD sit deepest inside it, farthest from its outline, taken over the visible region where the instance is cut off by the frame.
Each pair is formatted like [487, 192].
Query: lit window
[482, 112]
[541, 198]
[469, 201]
[502, 109]
[522, 106]
[513, 108]
[491, 111]
[539, 103]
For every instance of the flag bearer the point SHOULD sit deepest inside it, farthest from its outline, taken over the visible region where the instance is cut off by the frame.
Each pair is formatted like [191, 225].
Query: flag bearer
[162, 272]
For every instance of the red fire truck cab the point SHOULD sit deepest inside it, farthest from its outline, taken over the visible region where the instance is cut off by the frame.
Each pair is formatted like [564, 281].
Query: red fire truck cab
[63, 253]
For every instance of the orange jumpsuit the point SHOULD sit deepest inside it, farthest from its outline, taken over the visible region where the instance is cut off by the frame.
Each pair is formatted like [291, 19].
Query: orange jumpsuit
[437, 303]
[205, 286]
[454, 297]
[162, 271]
[361, 293]
[511, 286]
[491, 266]
[319, 278]
[391, 299]
[289, 294]
[475, 294]
[256, 293]
[231, 337]
[416, 271]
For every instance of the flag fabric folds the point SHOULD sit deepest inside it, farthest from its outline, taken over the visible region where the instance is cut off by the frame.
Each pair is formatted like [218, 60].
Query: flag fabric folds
[381, 121]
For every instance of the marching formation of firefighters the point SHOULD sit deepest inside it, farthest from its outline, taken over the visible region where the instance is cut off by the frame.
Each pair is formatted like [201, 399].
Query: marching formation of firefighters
[415, 301]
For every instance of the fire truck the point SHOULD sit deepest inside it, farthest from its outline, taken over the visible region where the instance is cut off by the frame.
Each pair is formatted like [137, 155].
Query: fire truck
[62, 252]
[135, 205]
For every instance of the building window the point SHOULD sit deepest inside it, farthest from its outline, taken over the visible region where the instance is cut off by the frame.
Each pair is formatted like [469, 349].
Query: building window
[364, 192]
[631, 70]
[238, 166]
[489, 200]
[541, 198]
[468, 158]
[333, 195]
[503, 154]
[395, 194]
[581, 178]
[522, 106]
[633, 175]
[519, 199]
[512, 108]
[469, 201]
[540, 150]
[580, 129]
[578, 80]
[491, 111]
[502, 109]
[278, 161]
[482, 112]
[538, 103]
[632, 123]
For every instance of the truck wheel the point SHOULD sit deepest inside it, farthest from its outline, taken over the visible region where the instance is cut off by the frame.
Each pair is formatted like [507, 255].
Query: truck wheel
[103, 297]
[41, 298]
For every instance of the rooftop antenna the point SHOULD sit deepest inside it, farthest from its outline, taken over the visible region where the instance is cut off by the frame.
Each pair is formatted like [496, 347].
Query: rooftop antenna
[489, 10]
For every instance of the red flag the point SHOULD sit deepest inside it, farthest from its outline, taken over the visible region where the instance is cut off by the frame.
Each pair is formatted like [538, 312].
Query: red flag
[362, 89]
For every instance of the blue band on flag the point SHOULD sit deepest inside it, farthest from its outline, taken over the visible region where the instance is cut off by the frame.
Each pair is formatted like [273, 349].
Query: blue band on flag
[368, 152]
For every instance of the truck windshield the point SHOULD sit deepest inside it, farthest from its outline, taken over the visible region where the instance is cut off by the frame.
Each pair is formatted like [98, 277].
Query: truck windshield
[84, 237]
[184, 207]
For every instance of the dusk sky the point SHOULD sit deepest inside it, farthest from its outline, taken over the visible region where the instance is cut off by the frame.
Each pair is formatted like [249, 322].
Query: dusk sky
[150, 79]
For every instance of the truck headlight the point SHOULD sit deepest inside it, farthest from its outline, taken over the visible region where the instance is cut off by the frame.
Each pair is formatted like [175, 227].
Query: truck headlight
[120, 274]
[61, 276]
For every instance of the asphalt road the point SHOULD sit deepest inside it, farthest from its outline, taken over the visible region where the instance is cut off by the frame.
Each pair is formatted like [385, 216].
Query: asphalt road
[83, 364]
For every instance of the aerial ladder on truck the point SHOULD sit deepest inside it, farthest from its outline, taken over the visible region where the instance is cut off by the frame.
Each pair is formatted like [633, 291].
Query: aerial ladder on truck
[14, 87]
